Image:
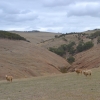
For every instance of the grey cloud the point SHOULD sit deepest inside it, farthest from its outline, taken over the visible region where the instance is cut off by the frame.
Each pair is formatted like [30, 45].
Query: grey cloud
[56, 3]
[8, 8]
[84, 9]
[49, 15]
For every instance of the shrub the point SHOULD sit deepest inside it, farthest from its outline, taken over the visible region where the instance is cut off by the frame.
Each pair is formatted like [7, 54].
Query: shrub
[84, 46]
[79, 47]
[88, 45]
[71, 59]
[70, 45]
[60, 51]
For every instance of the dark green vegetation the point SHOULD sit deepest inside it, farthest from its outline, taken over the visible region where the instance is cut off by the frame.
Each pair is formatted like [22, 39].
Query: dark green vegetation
[63, 49]
[71, 59]
[84, 46]
[70, 48]
[79, 43]
[11, 36]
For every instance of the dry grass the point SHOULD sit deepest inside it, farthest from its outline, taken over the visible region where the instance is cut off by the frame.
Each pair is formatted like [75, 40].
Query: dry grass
[56, 87]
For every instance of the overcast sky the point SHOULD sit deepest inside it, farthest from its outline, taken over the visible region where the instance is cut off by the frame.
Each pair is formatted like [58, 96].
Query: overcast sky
[50, 15]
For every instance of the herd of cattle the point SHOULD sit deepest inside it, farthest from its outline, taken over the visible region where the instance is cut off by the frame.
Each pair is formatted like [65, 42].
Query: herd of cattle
[78, 71]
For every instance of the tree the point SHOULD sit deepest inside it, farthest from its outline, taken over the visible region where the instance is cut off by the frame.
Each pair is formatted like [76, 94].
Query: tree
[88, 45]
[79, 47]
[71, 59]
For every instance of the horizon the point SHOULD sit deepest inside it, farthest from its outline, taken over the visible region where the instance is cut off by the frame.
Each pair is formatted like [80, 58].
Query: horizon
[52, 16]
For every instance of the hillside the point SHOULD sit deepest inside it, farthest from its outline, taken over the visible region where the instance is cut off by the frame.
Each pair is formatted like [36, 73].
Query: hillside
[86, 59]
[27, 59]
[68, 86]
[24, 59]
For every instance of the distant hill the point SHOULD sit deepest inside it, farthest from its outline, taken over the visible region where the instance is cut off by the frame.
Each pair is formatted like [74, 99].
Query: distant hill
[23, 59]
[81, 37]
[11, 36]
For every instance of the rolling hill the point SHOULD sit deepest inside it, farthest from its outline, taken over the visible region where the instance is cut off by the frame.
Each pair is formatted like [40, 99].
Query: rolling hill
[25, 59]
[28, 59]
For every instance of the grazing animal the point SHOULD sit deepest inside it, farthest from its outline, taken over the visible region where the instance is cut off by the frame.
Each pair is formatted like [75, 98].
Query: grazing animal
[9, 78]
[78, 71]
[87, 72]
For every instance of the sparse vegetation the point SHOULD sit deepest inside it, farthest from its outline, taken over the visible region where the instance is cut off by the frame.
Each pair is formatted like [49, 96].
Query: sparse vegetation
[94, 35]
[98, 40]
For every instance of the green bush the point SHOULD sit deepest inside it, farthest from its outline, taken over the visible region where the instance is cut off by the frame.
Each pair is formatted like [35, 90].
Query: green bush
[71, 59]
[80, 47]
[60, 51]
[84, 46]
[88, 45]
[70, 45]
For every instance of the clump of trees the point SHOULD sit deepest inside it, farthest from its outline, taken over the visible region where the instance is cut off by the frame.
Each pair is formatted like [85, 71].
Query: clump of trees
[84, 46]
[63, 48]
[60, 50]
[11, 36]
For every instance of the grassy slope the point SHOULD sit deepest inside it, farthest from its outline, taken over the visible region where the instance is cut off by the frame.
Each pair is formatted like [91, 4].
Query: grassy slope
[56, 87]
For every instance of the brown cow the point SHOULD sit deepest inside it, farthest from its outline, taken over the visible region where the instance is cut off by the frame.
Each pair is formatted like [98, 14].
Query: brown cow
[9, 78]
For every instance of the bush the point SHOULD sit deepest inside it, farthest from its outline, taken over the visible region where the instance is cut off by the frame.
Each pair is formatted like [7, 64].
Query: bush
[63, 48]
[79, 47]
[84, 46]
[88, 45]
[70, 45]
[60, 51]
[71, 59]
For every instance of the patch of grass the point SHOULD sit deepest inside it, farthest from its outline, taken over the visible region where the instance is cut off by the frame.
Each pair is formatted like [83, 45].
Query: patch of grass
[68, 86]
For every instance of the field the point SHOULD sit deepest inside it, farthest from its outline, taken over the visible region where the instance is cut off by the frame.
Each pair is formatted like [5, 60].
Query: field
[69, 86]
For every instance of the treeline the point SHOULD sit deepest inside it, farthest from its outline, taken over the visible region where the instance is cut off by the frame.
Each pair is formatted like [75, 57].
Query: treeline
[11, 36]
[63, 35]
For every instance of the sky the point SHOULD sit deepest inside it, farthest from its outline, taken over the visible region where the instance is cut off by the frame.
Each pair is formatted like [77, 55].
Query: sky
[50, 15]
